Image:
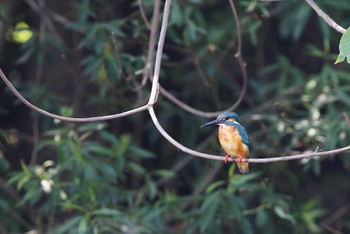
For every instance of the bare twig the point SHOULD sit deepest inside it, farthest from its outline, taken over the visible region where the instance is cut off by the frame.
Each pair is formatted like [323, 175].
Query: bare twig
[116, 53]
[153, 99]
[331, 230]
[147, 71]
[143, 15]
[242, 65]
[347, 120]
[46, 20]
[334, 217]
[181, 164]
[209, 177]
[239, 57]
[36, 138]
[250, 160]
[58, 18]
[188, 108]
[200, 72]
[155, 84]
[89, 119]
[325, 17]
[203, 155]
[195, 111]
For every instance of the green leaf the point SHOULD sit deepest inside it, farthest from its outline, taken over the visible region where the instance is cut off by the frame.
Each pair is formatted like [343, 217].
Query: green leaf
[83, 225]
[106, 212]
[208, 211]
[90, 172]
[280, 211]
[3, 135]
[68, 225]
[125, 141]
[96, 149]
[31, 196]
[177, 17]
[91, 127]
[234, 205]
[22, 182]
[191, 30]
[43, 144]
[216, 185]
[15, 178]
[25, 168]
[110, 138]
[261, 218]
[344, 48]
[141, 152]
[151, 188]
[245, 181]
[246, 226]
[164, 173]
[137, 168]
[4, 164]
[71, 206]
[108, 170]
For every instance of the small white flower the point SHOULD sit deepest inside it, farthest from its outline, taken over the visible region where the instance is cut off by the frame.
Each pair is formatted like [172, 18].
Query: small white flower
[46, 185]
[63, 195]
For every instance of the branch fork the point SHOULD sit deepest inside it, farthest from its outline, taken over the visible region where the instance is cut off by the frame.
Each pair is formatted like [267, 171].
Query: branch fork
[156, 89]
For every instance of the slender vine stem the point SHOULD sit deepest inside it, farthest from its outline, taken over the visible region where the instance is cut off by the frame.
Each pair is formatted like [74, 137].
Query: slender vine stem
[155, 80]
[325, 17]
[250, 160]
[153, 100]
[63, 118]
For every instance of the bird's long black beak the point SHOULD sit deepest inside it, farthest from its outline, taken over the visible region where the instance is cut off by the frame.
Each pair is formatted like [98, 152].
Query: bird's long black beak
[214, 122]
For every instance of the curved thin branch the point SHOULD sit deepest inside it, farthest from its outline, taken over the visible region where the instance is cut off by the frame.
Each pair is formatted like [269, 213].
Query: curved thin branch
[346, 118]
[200, 72]
[55, 16]
[299, 156]
[155, 84]
[239, 57]
[153, 98]
[69, 119]
[325, 17]
[242, 65]
[177, 144]
[235, 14]
[250, 160]
[188, 108]
[143, 15]
[147, 70]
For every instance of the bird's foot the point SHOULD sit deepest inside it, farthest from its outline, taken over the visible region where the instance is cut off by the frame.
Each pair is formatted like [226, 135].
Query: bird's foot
[239, 160]
[226, 157]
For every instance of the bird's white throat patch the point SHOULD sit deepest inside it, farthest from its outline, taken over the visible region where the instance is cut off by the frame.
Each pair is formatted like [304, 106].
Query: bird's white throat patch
[223, 124]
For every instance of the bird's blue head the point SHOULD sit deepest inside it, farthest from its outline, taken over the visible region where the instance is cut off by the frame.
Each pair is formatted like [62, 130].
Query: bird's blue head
[222, 118]
[229, 115]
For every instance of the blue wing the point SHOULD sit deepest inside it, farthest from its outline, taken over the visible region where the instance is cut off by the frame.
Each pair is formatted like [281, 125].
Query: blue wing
[242, 132]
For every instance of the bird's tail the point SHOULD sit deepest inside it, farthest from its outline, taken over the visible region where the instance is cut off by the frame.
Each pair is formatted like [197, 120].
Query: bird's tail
[243, 167]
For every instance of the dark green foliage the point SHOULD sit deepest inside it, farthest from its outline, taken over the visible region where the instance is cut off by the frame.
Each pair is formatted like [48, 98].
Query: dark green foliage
[86, 58]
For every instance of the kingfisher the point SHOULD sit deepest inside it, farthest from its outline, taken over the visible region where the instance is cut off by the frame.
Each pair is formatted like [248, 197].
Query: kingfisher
[233, 138]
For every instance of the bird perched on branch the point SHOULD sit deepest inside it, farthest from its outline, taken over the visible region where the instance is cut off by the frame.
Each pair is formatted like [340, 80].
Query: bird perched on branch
[233, 138]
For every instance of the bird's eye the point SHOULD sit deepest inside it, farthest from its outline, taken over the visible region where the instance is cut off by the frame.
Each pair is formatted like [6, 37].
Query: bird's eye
[227, 118]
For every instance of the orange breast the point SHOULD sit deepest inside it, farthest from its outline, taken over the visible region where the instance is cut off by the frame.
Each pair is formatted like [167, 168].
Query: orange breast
[231, 142]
